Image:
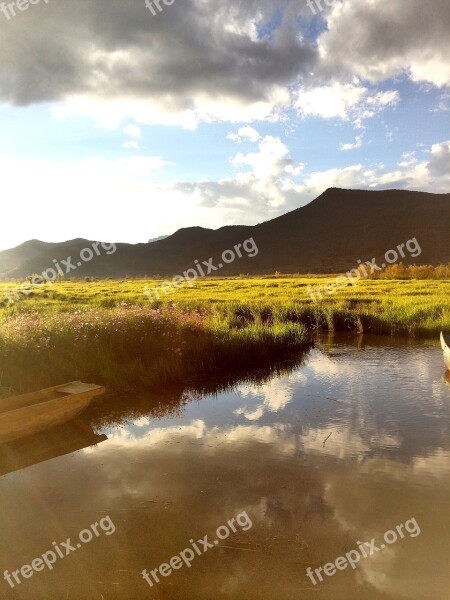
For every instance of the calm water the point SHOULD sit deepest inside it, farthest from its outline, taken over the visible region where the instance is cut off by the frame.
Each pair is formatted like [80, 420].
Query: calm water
[345, 447]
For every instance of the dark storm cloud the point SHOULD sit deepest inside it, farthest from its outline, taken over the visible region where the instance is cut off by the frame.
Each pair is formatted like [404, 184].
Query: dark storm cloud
[118, 49]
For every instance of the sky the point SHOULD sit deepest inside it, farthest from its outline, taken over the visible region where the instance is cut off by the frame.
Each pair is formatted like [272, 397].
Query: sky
[120, 122]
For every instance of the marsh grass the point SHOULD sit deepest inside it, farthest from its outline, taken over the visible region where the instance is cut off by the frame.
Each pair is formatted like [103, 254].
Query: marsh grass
[108, 332]
[133, 347]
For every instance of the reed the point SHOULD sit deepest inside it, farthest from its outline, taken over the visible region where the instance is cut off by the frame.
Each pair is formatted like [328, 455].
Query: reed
[108, 332]
[129, 348]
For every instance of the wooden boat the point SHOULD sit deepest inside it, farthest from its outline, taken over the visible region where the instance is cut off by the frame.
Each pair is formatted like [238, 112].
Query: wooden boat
[445, 343]
[30, 413]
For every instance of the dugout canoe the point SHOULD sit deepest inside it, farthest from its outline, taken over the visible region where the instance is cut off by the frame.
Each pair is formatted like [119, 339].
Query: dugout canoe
[445, 343]
[31, 413]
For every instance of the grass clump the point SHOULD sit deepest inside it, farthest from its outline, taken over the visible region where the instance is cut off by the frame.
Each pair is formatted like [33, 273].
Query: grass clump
[134, 347]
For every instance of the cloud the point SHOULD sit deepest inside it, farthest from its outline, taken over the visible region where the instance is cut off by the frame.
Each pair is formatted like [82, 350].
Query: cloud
[439, 163]
[343, 101]
[272, 396]
[133, 131]
[130, 145]
[219, 60]
[269, 162]
[356, 144]
[245, 133]
[333, 101]
[263, 181]
[199, 60]
[378, 40]
[444, 103]
[267, 182]
[432, 174]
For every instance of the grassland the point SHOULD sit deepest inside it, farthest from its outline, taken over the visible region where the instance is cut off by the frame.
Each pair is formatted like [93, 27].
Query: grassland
[108, 331]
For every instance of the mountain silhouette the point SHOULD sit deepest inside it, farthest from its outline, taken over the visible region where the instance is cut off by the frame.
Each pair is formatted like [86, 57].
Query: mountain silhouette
[329, 235]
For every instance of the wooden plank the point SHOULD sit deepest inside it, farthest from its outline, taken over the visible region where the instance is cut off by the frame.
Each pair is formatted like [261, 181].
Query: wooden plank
[77, 387]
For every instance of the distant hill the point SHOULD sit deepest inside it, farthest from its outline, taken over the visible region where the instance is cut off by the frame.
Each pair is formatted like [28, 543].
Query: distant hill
[328, 235]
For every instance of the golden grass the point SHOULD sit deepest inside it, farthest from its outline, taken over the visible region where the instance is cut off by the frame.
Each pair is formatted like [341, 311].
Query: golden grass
[109, 332]
[402, 307]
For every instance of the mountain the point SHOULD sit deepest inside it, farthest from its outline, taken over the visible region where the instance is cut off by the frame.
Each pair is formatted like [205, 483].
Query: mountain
[328, 235]
[158, 239]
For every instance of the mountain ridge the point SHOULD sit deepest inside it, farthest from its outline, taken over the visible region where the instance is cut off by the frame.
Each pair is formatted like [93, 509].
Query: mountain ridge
[330, 234]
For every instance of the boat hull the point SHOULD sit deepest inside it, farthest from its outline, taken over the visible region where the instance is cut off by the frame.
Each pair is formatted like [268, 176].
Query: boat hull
[446, 350]
[447, 358]
[42, 412]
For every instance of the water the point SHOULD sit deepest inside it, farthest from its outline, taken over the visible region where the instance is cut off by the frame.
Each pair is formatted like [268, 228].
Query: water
[351, 444]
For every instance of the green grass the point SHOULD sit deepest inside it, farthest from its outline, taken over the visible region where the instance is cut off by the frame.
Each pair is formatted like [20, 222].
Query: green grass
[109, 332]
[403, 307]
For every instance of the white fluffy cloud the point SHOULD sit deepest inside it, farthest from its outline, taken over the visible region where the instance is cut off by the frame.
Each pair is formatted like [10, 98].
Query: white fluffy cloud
[269, 162]
[344, 101]
[264, 180]
[431, 175]
[245, 133]
[271, 182]
[439, 164]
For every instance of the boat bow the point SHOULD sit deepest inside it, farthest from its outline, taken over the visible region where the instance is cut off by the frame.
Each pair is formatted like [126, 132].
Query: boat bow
[445, 347]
